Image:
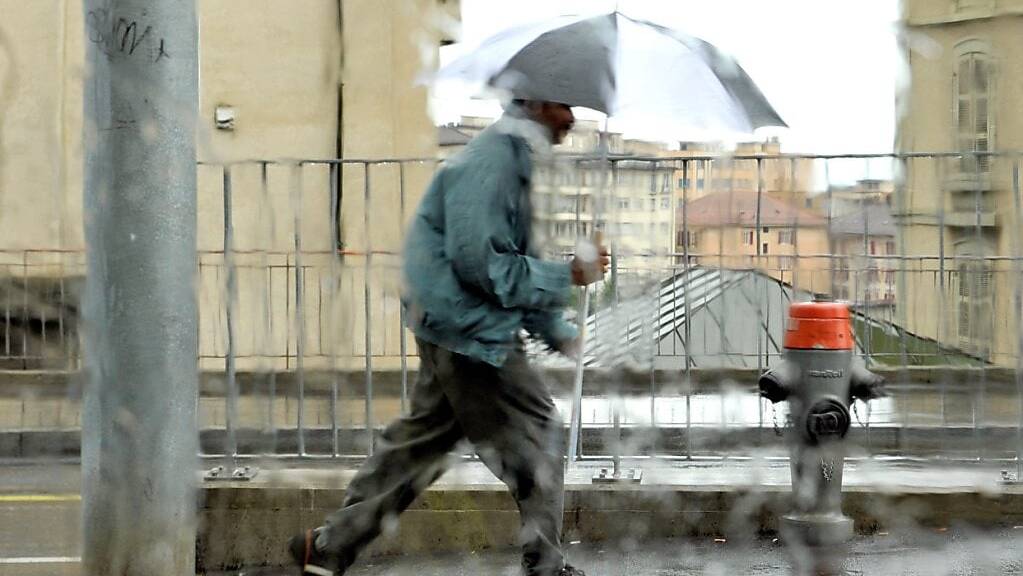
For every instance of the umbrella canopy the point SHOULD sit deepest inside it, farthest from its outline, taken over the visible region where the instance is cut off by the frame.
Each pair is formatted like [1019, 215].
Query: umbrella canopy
[619, 66]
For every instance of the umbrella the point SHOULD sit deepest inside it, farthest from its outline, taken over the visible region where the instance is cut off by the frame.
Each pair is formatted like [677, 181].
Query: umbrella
[622, 67]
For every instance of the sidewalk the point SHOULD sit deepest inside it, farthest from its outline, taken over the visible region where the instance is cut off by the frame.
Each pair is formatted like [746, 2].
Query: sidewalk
[922, 553]
[469, 510]
[912, 519]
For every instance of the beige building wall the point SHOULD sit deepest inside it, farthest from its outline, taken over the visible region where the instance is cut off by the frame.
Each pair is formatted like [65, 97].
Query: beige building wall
[788, 179]
[631, 205]
[842, 200]
[301, 80]
[41, 55]
[800, 263]
[937, 211]
[639, 205]
[866, 275]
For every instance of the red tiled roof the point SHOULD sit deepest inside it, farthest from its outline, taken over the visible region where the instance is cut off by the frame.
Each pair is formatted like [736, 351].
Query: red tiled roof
[740, 209]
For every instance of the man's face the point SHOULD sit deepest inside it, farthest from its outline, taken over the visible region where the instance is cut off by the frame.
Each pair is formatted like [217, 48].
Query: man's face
[558, 118]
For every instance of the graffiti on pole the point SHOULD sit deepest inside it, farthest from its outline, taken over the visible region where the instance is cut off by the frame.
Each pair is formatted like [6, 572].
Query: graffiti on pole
[117, 35]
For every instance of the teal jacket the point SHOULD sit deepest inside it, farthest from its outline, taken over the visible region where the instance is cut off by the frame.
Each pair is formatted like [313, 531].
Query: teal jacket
[472, 281]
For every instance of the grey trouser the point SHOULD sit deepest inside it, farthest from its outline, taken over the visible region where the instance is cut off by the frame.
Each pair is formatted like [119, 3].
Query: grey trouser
[507, 413]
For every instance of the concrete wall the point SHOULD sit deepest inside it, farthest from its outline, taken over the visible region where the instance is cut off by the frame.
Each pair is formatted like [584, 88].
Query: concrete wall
[449, 518]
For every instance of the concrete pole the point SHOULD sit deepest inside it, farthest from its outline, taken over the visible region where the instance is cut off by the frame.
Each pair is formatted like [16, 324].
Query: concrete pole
[139, 442]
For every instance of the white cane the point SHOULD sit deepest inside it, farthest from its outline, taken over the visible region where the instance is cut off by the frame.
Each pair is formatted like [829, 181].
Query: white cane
[588, 252]
[577, 389]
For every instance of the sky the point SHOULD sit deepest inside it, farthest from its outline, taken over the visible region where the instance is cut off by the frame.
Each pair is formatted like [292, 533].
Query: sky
[829, 67]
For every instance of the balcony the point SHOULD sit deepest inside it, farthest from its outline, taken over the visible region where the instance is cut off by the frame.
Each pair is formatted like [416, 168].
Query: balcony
[962, 218]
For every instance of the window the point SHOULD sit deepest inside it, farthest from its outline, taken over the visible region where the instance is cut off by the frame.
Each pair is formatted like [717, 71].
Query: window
[972, 82]
[873, 247]
[665, 203]
[563, 229]
[623, 203]
[786, 236]
[764, 248]
[975, 299]
[889, 247]
[786, 262]
[564, 204]
[749, 237]
[689, 182]
[975, 307]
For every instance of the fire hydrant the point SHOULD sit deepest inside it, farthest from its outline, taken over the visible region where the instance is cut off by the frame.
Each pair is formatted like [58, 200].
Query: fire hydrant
[819, 377]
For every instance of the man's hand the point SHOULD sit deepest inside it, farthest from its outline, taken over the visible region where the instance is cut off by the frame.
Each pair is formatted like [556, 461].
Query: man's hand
[590, 263]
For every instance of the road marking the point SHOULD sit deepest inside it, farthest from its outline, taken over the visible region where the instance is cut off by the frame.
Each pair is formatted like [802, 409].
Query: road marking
[22, 498]
[42, 560]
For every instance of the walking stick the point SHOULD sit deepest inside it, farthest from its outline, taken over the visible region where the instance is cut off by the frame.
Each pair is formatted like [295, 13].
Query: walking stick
[577, 389]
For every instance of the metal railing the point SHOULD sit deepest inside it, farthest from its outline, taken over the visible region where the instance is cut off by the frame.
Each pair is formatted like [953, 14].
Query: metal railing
[304, 350]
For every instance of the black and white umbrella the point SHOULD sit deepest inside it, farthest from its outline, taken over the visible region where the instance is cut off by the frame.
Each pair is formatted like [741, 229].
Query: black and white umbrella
[622, 67]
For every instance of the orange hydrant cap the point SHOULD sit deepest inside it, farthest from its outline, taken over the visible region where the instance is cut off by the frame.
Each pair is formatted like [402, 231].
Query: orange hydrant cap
[819, 326]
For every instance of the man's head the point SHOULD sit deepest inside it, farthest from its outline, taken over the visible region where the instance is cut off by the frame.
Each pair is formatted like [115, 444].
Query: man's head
[558, 118]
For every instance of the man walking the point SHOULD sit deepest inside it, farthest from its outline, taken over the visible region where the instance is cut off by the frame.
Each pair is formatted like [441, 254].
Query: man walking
[472, 284]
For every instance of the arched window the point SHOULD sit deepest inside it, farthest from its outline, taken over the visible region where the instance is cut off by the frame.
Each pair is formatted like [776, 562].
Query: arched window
[972, 82]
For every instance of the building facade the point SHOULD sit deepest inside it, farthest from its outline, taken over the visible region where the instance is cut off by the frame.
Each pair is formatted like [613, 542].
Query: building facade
[838, 201]
[866, 259]
[958, 216]
[279, 82]
[746, 230]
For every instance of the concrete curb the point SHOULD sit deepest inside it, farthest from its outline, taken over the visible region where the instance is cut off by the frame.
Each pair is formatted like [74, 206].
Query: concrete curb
[993, 442]
[54, 383]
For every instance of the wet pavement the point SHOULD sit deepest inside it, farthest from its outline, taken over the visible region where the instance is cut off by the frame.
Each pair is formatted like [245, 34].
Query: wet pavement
[949, 553]
[40, 511]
